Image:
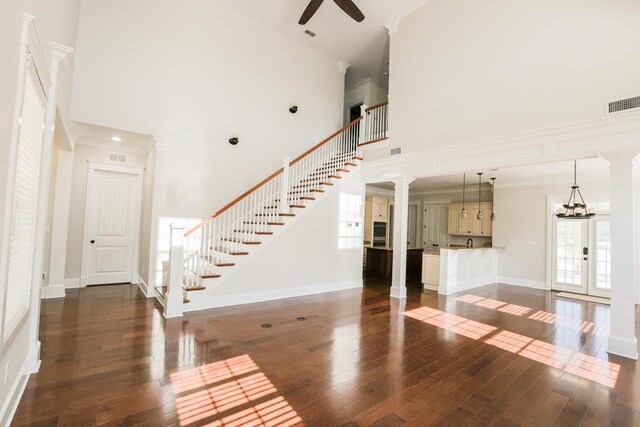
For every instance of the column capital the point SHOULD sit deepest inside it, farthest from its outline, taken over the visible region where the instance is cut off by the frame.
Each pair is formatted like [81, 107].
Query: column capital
[403, 180]
[620, 158]
[162, 141]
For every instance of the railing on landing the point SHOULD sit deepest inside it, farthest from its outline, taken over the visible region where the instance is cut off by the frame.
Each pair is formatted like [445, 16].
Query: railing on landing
[375, 123]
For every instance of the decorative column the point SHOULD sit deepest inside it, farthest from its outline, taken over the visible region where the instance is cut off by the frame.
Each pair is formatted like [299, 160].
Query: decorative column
[622, 337]
[400, 226]
[174, 299]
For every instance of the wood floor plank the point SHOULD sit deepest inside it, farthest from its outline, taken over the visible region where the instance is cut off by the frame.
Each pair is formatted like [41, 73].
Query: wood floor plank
[359, 358]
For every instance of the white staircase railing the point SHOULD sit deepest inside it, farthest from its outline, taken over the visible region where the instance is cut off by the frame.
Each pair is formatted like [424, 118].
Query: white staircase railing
[375, 123]
[212, 246]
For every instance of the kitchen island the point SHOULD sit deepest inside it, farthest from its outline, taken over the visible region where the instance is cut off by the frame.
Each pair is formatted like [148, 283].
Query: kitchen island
[454, 269]
[380, 261]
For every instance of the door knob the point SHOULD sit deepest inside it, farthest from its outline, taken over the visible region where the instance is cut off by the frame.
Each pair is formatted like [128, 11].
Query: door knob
[93, 241]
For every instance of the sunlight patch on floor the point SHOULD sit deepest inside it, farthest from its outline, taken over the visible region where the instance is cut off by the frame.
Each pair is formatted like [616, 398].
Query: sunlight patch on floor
[582, 365]
[232, 392]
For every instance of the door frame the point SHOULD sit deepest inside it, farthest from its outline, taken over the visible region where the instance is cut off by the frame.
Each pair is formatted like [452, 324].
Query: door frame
[92, 167]
[551, 200]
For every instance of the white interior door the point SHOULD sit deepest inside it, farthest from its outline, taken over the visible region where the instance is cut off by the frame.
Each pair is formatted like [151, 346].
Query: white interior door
[112, 221]
[570, 263]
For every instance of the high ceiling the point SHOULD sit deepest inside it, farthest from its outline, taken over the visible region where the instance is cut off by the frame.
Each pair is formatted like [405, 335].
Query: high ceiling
[363, 45]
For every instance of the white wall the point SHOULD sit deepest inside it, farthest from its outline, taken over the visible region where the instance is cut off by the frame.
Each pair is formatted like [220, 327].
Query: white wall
[366, 92]
[467, 70]
[55, 21]
[82, 155]
[201, 71]
[310, 256]
[521, 217]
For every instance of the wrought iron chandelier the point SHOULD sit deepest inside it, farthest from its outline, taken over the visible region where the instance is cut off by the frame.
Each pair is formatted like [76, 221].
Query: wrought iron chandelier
[575, 207]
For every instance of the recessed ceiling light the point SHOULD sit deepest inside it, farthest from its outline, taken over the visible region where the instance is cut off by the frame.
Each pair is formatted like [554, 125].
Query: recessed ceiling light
[116, 139]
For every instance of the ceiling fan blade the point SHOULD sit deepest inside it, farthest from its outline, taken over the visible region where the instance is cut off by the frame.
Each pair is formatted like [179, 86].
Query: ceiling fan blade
[311, 10]
[350, 9]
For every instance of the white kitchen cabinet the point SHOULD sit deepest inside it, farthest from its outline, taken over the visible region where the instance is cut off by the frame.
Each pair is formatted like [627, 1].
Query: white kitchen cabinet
[376, 209]
[435, 226]
[470, 226]
[430, 271]
[380, 209]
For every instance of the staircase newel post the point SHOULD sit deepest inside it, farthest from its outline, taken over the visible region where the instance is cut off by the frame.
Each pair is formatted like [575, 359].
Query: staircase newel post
[362, 126]
[174, 299]
[284, 187]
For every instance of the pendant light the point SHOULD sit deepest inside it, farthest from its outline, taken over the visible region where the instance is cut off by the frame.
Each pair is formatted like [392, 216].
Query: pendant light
[493, 198]
[479, 215]
[575, 207]
[463, 212]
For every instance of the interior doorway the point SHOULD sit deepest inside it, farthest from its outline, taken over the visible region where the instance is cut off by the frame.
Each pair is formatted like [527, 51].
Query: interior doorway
[112, 224]
[582, 255]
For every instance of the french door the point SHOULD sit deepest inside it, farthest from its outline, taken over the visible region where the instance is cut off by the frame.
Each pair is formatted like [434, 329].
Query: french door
[582, 256]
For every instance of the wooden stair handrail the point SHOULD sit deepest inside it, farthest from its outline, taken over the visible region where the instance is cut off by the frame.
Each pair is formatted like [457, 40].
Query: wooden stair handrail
[373, 107]
[264, 181]
[314, 148]
[234, 202]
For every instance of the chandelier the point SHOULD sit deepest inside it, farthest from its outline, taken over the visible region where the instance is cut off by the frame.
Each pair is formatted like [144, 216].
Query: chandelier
[575, 207]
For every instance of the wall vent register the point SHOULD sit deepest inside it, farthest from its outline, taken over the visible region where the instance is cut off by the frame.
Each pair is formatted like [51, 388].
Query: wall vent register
[395, 151]
[118, 157]
[624, 104]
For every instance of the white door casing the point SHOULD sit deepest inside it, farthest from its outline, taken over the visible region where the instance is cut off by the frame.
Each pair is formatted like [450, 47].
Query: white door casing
[112, 224]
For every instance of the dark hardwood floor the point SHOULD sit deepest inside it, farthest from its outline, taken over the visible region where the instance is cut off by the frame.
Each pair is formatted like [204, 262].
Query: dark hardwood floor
[497, 355]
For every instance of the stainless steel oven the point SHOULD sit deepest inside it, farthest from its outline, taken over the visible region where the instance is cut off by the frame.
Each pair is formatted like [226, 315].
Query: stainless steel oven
[380, 234]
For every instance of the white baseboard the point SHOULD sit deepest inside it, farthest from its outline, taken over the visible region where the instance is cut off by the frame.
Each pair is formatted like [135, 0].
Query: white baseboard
[467, 285]
[217, 301]
[515, 281]
[144, 288]
[10, 405]
[53, 291]
[72, 283]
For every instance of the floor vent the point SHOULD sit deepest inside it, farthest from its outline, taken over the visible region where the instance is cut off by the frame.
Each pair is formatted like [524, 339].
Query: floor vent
[118, 157]
[395, 151]
[624, 104]
[310, 33]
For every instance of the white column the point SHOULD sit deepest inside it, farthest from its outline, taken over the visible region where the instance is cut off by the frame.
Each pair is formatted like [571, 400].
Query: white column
[622, 338]
[174, 300]
[400, 225]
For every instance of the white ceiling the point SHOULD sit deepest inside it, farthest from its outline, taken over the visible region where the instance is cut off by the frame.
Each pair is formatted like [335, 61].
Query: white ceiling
[363, 45]
[589, 170]
[89, 134]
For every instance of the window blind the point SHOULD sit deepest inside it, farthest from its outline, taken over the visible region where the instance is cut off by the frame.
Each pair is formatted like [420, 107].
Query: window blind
[24, 204]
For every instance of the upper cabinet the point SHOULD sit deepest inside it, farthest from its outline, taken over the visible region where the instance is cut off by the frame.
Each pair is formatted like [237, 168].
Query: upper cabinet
[471, 226]
[380, 209]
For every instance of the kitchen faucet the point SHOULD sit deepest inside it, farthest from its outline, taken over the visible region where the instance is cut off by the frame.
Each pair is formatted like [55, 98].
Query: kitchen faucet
[469, 242]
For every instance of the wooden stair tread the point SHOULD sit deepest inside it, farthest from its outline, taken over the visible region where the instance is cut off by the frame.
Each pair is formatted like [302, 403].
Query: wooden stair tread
[317, 190]
[307, 198]
[327, 183]
[234, 253]
[241, 241]
[164, 290]
[344, 170]
[335, 177]
[351, 164]
[275, 223]
[257, 233]
[195, 288]
[286, 214]
[297, 206]
[357, 158]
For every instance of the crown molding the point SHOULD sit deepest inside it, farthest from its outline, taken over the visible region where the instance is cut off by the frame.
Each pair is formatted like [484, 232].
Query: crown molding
[62, 57]
[343, 66]
[112, 146]
[392, 27]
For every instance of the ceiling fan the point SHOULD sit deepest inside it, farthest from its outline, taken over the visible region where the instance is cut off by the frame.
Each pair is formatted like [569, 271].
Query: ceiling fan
[348, 6]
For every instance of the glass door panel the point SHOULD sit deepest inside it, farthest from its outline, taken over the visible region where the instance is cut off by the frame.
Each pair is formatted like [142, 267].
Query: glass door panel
[570, 272]
[600, 280]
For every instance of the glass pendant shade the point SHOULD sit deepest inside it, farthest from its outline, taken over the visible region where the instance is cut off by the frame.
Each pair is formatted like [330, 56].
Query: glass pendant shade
[479, 215]
[463, 213]
[493, 198]
[493, 217]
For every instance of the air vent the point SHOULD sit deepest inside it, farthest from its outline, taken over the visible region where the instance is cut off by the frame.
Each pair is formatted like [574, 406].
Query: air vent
[395, 151]
[624, 104]
[310, 33]
[118, 157]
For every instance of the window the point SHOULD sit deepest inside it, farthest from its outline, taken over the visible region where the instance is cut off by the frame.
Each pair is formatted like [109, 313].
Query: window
[24, 203]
